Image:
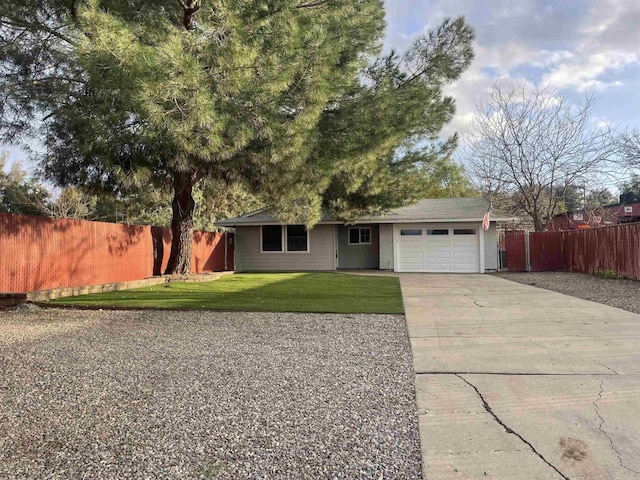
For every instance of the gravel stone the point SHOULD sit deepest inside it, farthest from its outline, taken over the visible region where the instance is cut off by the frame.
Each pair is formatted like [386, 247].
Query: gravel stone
[619, 293]
[28, 307]
[148, 394]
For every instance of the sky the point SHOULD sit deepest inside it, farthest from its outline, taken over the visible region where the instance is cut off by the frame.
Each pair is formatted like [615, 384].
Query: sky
[580, 47]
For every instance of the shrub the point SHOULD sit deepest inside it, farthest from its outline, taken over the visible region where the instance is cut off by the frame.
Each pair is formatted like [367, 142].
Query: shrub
[608, 274]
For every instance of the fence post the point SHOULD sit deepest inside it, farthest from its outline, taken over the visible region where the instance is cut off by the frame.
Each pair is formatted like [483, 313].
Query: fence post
[527, 251]
[564, 265]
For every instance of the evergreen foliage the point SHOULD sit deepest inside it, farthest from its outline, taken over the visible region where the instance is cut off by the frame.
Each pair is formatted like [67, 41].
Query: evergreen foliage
[631, 185]
[18, 193]
[277, 99]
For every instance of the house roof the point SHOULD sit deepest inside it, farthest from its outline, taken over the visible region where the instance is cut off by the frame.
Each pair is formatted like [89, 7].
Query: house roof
[426, 210]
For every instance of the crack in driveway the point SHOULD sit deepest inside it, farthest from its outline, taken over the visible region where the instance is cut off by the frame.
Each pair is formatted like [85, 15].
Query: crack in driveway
[507, 429]
[475, 302]
[580, 356]
[604, 432]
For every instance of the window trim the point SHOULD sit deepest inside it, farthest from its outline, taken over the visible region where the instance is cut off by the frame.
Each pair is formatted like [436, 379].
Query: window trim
[360, 229]
[283, 233]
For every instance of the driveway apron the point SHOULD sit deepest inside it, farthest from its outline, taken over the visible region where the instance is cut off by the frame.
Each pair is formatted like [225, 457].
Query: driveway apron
[516, 382]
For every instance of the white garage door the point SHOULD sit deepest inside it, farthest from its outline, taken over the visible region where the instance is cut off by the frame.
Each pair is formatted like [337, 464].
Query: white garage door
[425, 248]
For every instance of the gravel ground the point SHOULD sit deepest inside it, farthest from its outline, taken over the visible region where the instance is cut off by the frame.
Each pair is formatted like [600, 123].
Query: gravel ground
[104, 394]
[624, 294]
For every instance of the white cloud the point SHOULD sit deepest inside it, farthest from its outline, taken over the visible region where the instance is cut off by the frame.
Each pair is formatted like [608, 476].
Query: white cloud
[575, 46]
[607, 44]
[585, 72]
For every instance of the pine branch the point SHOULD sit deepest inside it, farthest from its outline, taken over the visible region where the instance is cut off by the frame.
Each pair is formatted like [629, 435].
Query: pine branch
[313, 4]
[19, 24]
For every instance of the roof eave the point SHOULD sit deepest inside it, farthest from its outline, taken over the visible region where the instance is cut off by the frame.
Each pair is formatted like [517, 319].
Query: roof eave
[234, 224]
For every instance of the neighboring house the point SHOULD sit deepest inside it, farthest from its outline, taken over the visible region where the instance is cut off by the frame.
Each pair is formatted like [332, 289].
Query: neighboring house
[433, 235]
[626, 211]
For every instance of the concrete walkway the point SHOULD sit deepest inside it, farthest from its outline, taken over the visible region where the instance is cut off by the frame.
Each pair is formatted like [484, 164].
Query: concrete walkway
[515, 382]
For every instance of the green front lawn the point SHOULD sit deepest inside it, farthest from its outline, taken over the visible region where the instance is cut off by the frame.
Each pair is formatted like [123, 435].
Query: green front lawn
[262, 292]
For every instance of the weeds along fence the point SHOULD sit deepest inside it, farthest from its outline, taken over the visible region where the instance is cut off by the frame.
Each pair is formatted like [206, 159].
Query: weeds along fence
[39, 253]
[615, 248]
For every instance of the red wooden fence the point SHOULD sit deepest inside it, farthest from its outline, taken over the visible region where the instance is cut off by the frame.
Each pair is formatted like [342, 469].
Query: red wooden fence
[514, 245]
[545, 252]
[615, 248]
[39, 253]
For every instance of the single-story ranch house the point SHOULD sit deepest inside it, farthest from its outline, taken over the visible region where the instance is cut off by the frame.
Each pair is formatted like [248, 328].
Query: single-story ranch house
[433, 235]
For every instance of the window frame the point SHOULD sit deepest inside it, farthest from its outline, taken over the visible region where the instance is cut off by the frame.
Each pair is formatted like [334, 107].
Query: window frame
[438, 232]
[411, 232]
[360, 230]
[283, 239]
[286, 239]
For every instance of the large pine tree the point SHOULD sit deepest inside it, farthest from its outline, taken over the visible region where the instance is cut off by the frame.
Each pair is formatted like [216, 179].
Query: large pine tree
[281, 97]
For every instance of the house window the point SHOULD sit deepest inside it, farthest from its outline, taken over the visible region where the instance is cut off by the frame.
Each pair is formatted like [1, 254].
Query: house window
[360, 236]
[276, 237]
[297, 238]
[410, 232]
[272, 238]
[464, 231]
[438, 231]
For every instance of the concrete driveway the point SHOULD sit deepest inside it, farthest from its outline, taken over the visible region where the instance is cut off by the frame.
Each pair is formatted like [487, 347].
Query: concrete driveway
[516, 382]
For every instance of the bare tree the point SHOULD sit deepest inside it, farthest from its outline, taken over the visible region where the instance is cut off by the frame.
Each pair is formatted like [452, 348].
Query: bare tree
[629, 147]
[70, 203]
[527, 145]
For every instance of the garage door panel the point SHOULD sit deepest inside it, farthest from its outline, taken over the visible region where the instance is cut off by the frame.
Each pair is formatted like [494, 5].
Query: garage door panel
[465, 268]
[445, 254]
[465, 255]
[413, 267]
[439, 242]
[465, 242]
[466, 248]
[438, 267]
[411, 252]
[438, 249]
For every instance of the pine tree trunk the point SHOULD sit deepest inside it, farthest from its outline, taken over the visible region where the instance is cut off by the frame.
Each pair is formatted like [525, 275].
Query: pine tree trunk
[183, 207]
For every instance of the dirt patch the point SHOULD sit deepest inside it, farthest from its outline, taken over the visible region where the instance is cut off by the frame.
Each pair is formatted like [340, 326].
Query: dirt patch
[573, 449]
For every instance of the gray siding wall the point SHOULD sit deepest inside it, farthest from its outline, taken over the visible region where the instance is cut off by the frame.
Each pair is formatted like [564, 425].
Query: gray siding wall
[320, 256]
[358, 256]
[491, 248]
[386, 246]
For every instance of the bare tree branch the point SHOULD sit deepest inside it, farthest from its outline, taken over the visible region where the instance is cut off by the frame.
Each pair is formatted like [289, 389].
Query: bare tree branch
[628, 144]
[529, 144]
